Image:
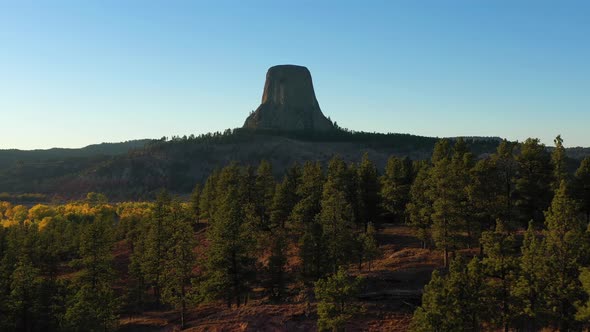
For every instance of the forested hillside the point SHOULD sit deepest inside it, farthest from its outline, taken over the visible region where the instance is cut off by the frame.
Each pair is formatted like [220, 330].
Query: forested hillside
[325, 247]
[177, 163]
[10, 157]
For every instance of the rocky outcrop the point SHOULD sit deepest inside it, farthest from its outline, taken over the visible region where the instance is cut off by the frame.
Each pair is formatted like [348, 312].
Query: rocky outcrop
[288, 102]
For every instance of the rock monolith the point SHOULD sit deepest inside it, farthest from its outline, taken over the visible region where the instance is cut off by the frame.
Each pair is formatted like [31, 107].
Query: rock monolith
[288, 102]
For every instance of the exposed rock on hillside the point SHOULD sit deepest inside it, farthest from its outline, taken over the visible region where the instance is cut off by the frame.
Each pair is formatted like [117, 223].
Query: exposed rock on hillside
[289, 102]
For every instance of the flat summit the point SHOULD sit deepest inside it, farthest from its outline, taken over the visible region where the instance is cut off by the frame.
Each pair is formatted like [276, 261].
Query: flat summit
[289, 102]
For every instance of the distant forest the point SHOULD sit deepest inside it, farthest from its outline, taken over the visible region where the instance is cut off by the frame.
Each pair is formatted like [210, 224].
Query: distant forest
[510, 227]
[138, 169]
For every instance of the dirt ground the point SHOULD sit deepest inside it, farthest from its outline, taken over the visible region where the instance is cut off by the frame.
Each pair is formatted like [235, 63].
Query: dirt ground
[391, 292]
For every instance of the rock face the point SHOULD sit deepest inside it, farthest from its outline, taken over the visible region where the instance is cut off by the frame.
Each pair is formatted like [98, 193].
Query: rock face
[288, 102]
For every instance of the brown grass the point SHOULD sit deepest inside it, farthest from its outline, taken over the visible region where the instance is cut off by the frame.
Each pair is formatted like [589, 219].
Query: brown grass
[403, 268]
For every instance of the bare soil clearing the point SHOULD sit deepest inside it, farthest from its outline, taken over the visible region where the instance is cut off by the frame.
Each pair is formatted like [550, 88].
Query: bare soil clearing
[392, 290]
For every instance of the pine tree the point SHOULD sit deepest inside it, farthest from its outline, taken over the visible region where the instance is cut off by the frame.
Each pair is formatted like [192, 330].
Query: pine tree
[370, 248]
[208, 196]
[419, 208]
[533, 186]
[336, 218]
[466, 285]
[277, 283]
[500, 265]
[461, 164]
[6, 269]
[285, 197]
[229, 264]
[311, 241]
[506, 168]
[335, 296]
[94, 305]
[248, 193]
[179, 264]
[284, 200]
[431, 316]
[564, 239]
[559, 163]
[24, 295]
[156, 244]
[195, 201]
[265, 189]
[395, 187]
[583, 308]
[582, 187]
[455, 302]
[492, 187]
[368, 188]
[531, 286]
[136, 292]
[352, 194]
[312, 251]
[310, 190]
[448, 194]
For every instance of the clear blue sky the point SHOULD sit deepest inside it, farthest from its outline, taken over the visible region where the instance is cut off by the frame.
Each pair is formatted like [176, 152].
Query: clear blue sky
[74, 73]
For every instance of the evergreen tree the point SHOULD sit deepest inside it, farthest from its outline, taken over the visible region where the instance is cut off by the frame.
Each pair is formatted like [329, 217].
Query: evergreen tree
[431, 316]
[248, 193]
[368, 188]
[533, 186]
[335, 296]
[559, 163]
[582, 187]
[94, 305]
[277, 283]
[264, 193]
[156, 245]
[285, 198]
[500, 265]
[506, 168]
[455, 302]
[448, 194]
[352, 194]
[195, 201]
[419, 208]
[583, 308]
[336, 218]
[461, 164]
[485, 195]
[311, 242]
[229, 264]
[529, 293]
[466, 286]
[567, 246]
[136, 292]
[208, 196]
[6, 269]
[179, 263]
[395, 188]
[370, 248]
[24, 295]
[492, 187]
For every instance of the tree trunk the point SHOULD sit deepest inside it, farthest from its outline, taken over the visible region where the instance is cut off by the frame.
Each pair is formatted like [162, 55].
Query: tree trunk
[235, 279]
[183, 306]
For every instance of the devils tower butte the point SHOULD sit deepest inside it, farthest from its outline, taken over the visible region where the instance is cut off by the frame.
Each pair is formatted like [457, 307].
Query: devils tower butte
[288, 102]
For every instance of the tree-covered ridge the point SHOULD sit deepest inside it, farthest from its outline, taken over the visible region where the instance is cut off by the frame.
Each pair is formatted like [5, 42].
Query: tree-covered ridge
[138, 169]
[509, 232]
[176, 162]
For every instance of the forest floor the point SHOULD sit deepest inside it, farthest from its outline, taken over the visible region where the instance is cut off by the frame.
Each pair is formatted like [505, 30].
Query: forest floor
[392, 290]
